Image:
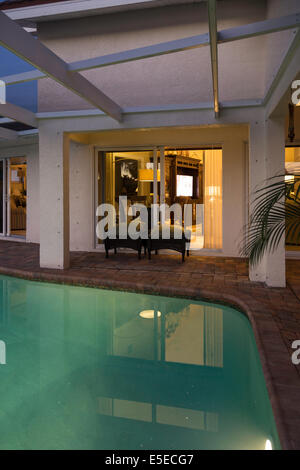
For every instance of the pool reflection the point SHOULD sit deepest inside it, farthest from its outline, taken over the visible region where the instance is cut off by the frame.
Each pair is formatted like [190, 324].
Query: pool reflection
[85, 370]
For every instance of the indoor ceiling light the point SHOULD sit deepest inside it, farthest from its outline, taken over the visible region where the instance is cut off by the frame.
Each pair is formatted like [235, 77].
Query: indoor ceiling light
[149, 314]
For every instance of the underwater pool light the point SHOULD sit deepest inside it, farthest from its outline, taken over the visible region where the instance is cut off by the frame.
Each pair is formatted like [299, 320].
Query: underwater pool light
[268, 445]
[149, 314]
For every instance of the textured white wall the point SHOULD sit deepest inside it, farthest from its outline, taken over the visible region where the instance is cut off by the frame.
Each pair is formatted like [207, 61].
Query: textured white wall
[81, 197]
[33, 197]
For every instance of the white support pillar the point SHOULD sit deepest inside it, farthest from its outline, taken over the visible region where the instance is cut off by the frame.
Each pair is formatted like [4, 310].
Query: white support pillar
[266, 159]
[54, 198]
[275, 165]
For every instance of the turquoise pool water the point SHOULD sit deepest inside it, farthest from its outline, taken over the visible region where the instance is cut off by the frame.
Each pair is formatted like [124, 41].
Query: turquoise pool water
[97, 369]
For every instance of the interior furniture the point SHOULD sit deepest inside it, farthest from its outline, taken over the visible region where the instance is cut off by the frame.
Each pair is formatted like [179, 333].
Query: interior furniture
[18, 218]
[113, 241]
[178, 165]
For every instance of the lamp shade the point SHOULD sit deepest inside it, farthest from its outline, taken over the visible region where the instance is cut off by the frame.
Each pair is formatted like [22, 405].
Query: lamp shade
[147, 175]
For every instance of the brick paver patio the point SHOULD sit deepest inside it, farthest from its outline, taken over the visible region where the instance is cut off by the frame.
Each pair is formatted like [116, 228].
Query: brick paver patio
[274, 313]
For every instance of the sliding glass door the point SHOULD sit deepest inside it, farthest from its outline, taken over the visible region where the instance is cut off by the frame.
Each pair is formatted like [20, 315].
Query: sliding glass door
[185, 177]
[127, 173]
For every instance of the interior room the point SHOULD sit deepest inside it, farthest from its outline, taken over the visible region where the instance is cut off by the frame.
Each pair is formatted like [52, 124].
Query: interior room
[17, 196]
[191, 176]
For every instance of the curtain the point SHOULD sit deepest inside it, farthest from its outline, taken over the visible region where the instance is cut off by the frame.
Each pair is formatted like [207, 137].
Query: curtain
[213, 199]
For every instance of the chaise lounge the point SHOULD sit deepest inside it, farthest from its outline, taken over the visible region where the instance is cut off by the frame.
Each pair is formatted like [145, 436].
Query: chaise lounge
[162, 237]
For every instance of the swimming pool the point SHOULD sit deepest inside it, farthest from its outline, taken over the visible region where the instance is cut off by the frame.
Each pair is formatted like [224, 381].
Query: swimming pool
[97, 369]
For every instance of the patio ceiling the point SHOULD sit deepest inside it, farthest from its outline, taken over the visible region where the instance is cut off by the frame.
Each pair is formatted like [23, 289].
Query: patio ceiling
[48, 64]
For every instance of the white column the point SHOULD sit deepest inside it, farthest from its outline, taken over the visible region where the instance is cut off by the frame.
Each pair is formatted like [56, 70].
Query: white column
[266, 159]
[54, 198]
[275, 165]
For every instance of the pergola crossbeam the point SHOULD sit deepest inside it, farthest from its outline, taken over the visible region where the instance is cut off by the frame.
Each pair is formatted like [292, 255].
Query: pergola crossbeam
[294, 44]
[23, 77]
[146, 52]
[213, 33]
[170, 47]
[19, 114]
[139, 53]
[8, 134]
[21, 43]
[272, 25]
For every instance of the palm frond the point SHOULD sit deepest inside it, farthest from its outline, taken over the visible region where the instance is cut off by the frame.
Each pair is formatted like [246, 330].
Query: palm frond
[275, 211]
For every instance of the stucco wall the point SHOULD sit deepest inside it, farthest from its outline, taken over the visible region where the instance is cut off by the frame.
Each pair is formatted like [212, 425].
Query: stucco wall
[81, 197]
[33, 198]
[183, 77]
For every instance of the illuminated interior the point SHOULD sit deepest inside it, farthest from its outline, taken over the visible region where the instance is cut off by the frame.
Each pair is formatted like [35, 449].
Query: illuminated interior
[18, 197]
[13, 196]
[191, 176]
